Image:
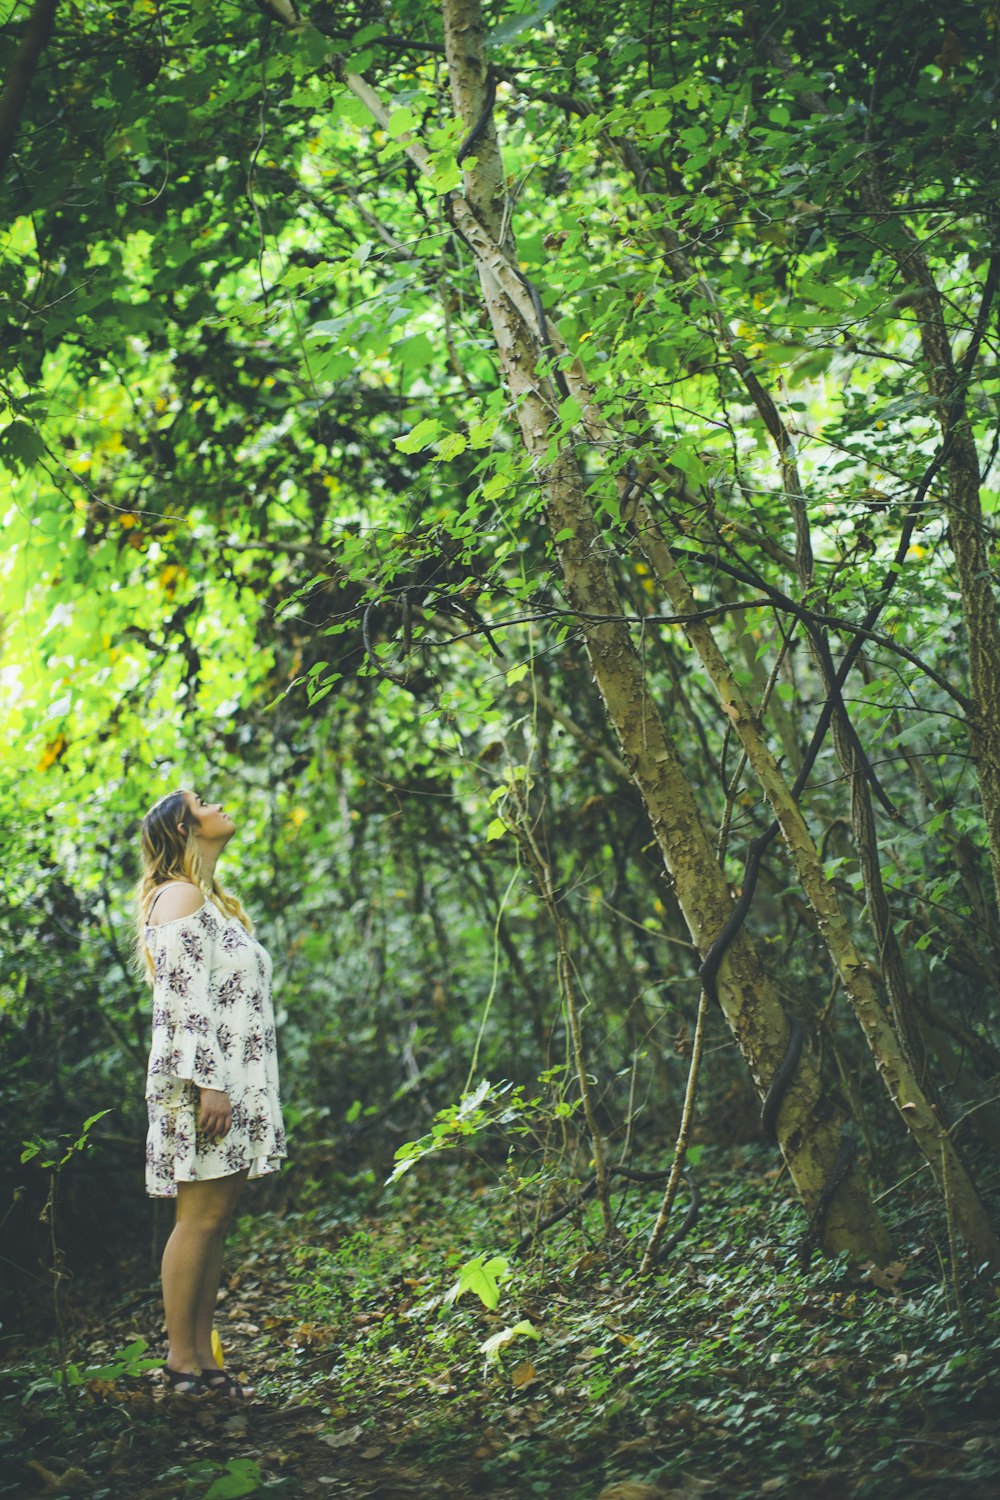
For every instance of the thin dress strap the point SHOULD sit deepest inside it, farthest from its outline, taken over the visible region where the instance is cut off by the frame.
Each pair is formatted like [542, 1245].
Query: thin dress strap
[159, 893]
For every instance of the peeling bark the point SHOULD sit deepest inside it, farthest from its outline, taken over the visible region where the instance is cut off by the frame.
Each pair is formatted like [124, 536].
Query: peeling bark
[888, 1046]
[808, 1125]
[809, 1134]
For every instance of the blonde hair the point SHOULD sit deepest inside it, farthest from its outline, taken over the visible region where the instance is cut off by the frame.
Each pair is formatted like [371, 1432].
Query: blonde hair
[169, 854]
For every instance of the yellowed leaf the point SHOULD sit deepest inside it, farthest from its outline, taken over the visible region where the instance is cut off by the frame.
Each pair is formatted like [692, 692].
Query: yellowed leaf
[52, 752]
[627, 1489]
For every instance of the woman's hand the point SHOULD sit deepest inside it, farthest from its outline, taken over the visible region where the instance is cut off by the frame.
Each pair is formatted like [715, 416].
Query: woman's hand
[216, 1114]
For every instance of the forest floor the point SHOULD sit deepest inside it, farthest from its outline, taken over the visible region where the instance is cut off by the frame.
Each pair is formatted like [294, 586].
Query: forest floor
[734, 1372]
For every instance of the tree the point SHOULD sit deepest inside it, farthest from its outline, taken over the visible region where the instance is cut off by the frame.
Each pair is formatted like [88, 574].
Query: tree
[693, 432]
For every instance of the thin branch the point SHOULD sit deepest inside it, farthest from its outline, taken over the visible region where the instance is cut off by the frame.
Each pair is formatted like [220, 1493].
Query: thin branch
[15, 95]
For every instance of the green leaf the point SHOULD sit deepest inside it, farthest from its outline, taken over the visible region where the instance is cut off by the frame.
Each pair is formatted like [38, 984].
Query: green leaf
[570, 411]
[505, 31]
[414, 353]
[242, 1477]
[20, 447]
[495, 487]
[480, 1277]
[481, 433]
[824, 296]
[524, 1329]
[401, 120]
[496, 830]
[451, 446]
[420, 436]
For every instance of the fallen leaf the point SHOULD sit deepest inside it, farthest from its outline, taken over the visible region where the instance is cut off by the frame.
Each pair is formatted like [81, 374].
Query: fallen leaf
[342, 1439]
[627, 1489]
[523, 1374]
[71, 1482]
[886, 1278]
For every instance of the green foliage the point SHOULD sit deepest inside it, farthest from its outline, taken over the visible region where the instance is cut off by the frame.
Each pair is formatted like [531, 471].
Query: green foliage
[732, 1363]
[499, 1110]
[482, 1277]
[46, 1154]
[129, 1362]
[267, 496]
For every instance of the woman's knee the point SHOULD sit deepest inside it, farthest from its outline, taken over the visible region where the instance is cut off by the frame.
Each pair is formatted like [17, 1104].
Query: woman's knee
[203, 1226]
[204, 1208]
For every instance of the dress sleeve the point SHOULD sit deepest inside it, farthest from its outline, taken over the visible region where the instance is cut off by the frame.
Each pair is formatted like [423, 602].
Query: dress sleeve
[183, 1001]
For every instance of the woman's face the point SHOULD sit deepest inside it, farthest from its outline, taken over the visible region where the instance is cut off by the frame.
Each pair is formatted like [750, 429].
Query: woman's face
[208, 818]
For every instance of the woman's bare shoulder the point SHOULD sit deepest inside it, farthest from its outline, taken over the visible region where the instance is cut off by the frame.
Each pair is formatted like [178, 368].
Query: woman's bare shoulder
[180, 899]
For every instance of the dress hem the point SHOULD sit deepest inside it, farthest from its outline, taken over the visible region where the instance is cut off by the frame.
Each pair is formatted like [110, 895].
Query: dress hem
[265, 1170]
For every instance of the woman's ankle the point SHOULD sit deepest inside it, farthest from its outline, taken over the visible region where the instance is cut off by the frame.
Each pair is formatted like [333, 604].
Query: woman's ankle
[178, 1360]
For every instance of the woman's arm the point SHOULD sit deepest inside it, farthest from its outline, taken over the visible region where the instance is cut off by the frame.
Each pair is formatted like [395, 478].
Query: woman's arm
[182, 994]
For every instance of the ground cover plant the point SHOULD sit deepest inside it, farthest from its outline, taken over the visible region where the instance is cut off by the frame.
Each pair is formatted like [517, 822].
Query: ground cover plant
[734, 1371]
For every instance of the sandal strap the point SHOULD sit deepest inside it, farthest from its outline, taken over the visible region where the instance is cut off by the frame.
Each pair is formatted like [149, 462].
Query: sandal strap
[221, 1380]
[184, 1382]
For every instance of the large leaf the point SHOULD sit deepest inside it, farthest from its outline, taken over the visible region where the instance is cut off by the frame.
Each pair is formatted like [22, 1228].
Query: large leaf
[512, 26]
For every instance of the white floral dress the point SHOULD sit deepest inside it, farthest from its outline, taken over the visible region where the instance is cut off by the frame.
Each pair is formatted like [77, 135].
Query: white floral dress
[213, 1027]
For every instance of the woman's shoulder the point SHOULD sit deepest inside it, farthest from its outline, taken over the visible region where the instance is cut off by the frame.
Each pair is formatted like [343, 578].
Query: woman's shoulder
[177, 902]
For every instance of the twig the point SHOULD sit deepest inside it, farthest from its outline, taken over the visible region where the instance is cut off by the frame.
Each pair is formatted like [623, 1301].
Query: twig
[680, 1149]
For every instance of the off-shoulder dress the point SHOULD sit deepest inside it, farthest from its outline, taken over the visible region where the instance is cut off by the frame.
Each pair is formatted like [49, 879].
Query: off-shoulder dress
[213, 1027]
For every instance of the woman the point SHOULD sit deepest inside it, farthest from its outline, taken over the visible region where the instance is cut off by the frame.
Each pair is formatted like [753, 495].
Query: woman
[212, 1082]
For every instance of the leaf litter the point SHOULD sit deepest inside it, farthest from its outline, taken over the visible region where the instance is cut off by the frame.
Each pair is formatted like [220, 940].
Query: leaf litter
[733, 1372]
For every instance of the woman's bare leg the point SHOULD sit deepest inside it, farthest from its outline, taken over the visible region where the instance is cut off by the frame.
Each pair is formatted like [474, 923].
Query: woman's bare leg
[209, 1295]
[203, 1211]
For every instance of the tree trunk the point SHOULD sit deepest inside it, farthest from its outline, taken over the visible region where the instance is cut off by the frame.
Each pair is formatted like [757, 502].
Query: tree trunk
[808, 1125]
[808, 1132]
[888, 1047]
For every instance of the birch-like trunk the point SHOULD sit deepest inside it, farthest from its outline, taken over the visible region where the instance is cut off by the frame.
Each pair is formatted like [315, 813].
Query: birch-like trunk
[808, 1132]
[808, 1125]
[887, 1045]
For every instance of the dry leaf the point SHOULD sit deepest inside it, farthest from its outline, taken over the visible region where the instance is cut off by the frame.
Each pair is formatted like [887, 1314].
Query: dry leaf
[342, 1439]
[72, 1482]
[628, 1489]
[887, 1278]
[523, 1374]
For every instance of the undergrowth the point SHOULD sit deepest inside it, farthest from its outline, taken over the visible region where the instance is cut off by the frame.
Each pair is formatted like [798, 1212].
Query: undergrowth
[407, 1339]
[734, 1361]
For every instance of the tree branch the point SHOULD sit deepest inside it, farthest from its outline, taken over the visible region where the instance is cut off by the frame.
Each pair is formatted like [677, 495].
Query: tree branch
[15, 95]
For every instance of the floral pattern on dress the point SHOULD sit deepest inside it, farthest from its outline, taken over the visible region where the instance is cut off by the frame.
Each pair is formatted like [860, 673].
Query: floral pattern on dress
[213, 1027]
